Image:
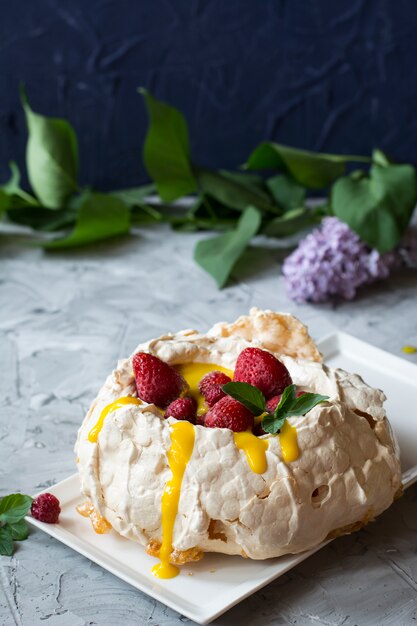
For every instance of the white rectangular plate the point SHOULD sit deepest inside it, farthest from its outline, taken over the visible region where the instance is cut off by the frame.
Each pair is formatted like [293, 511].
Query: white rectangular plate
[206, 589]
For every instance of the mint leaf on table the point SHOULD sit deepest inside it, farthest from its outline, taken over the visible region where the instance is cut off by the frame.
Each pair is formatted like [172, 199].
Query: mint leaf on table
[166, 152]
[218, 255]
[290, 406]
[248, 395]
[14, 507]
[19, 530]
[6, 541]
[377, 207]
[314, 170]
[51, 157]
[99, 216]
[13, 527]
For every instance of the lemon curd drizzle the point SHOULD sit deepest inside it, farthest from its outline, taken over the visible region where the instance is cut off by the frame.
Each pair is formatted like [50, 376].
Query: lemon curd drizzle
[193, 373]
[254, 448]
[117, 404]
[289, 443]
[182, 445]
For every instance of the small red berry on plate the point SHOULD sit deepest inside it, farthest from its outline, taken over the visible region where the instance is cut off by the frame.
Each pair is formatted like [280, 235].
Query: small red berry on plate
[211, 385]
[229, 413]
[263, 370]
[182, 409]
[156, 381]
[45, 508]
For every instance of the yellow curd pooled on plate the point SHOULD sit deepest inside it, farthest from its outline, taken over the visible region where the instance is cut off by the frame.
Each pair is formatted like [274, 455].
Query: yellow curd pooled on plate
[181, 490]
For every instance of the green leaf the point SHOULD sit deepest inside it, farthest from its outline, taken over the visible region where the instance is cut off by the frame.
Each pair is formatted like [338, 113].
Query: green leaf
[166, 151]
[11, 194]
[6, 541]
[379, 207]
[233, 193]
[290, 406]
[19, 530]
[219, 255]
[39, 218]
[14, 507]
[305, 403]
[311, 169]
[134, 196]
[100, 216]
[291, 222]
[51, 157]
[287, 399]
[273, 425]
[287, 192]
[248, 395]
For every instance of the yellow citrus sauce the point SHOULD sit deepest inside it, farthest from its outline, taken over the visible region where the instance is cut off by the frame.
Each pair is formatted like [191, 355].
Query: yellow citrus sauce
[289, 443]
[193, 373]
[254, 448]
[182, 444]
[99, 523]
[95, 431]
[409, 349]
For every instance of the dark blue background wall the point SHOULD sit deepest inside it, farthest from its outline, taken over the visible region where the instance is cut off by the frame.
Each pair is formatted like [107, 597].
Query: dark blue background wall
[327, 74]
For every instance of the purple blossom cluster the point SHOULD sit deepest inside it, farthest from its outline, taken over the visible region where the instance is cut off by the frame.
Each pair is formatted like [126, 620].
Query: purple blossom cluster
[333, 261]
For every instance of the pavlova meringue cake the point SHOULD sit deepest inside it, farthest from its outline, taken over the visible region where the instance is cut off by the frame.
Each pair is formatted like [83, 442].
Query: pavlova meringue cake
[175, 456]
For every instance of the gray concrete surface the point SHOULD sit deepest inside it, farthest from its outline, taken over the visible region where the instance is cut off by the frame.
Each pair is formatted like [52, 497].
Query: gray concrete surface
[65, 318]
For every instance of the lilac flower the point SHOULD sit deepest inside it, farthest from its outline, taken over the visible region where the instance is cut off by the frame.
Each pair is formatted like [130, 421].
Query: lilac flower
[333, 261]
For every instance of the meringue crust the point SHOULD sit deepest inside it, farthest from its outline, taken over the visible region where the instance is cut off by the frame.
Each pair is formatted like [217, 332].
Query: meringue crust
[347, 471]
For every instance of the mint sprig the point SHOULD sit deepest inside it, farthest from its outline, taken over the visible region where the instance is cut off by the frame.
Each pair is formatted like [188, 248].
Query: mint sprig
[13, 526]
[289, 405]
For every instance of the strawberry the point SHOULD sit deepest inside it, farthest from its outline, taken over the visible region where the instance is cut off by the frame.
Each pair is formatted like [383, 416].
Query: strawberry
[156, 381]
[210, 386]
[261, 369]
[182, 409]
[229, 413]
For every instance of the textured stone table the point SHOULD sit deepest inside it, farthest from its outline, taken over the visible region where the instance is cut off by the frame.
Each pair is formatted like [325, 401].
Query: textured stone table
[64, 320]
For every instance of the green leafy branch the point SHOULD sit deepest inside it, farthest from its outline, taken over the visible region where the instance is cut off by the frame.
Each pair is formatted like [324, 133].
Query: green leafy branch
[13, 526]
[377, 204]
[289, 405]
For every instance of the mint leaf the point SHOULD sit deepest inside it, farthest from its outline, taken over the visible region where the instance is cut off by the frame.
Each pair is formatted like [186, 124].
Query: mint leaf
[19, 530]
[14, 507]
[287, 400]
[166, 150]
[379, 207]
[310, 169]
[305, 403]
[6, 541]
[51, 157]
[218, 255]
[100, 216]
[272, 425]
[248, 395]
[290, 406]
[233, 192]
